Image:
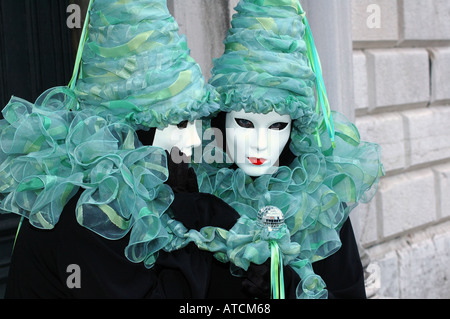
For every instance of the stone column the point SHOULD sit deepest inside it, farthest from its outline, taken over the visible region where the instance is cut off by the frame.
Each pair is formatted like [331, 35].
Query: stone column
[331, 25]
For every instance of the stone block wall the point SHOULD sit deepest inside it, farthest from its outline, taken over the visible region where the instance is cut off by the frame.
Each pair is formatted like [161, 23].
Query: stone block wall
[401, 74]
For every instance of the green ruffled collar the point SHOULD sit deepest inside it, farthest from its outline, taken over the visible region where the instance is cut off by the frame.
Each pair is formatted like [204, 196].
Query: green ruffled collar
[50, 151]
[315, 193]
[248, 243]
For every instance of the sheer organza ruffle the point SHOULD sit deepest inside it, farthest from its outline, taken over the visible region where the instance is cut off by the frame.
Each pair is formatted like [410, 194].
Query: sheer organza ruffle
[37, 176]
[49, 153]
[210, 238]
[315, 193]
[137, 68]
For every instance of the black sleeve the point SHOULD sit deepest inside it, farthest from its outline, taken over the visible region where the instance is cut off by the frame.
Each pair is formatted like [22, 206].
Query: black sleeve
[39, 266]
[343, 272]
[198, 210]
[41, 257]
[191, 272]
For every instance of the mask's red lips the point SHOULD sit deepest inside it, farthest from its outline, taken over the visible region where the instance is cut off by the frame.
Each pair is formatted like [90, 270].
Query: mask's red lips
[257, 161]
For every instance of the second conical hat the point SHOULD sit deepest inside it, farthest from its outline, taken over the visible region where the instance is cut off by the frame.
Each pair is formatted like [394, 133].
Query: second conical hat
[137, 68]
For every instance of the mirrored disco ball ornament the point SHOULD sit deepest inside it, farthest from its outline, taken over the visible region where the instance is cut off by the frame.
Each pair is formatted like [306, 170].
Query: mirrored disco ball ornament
[270, 217]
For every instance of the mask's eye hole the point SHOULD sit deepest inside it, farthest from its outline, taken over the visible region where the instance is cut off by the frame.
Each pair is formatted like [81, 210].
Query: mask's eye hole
[244, 123]
[183, 124]
[278, 126]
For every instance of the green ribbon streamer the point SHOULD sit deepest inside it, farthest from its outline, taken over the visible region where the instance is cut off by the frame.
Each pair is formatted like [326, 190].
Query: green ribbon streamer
[276, 271]
[83, 38]
[322, 98]
[17, 234]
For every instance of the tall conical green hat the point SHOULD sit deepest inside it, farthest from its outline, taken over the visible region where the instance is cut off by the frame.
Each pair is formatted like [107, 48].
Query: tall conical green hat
[265, 65]
[271, 63]
[135, 66]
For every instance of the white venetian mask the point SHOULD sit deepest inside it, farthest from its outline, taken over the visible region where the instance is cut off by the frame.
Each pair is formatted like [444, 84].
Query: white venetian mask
[184, 136]
[255, 141]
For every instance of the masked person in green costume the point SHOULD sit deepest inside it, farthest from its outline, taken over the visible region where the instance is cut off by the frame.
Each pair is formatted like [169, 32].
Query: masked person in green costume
[284, 154]
[87, 166]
